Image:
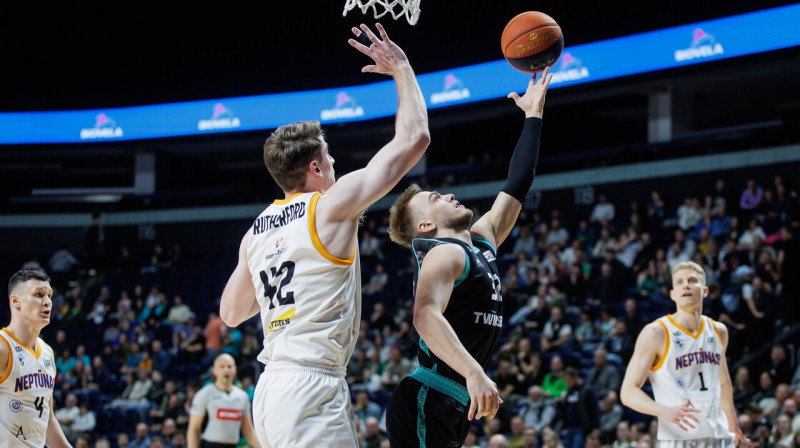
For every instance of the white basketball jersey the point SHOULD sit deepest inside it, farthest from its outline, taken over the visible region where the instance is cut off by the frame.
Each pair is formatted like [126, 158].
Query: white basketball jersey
[25, 393]
[310, 300]
[689, 372]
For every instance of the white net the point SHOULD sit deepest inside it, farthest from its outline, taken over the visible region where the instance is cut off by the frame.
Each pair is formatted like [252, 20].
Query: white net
[397, 8]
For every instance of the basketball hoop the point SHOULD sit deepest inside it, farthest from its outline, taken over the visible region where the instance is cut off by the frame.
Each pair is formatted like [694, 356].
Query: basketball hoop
[409, 8]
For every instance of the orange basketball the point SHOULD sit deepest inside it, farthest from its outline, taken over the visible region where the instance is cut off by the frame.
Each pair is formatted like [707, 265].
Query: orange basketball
[532, 41]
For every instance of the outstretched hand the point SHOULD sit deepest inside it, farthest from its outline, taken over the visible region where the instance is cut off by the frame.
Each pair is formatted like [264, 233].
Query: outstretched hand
[388, 57]
[532, 102]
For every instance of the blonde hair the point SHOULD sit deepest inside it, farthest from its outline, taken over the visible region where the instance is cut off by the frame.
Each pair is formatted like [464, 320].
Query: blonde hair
[691, 265]
[402, 228]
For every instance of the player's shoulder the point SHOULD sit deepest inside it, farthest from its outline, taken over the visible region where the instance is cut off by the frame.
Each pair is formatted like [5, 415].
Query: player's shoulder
[442, 251]
[239, 392]
[46, 348]
[719, 327]
[654, 331]
[5, 358]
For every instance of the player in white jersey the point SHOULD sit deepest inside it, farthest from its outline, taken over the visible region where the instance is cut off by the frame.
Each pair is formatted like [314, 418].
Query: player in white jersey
[298, 265]
[227, 408]
[28, 367]
[683, 356]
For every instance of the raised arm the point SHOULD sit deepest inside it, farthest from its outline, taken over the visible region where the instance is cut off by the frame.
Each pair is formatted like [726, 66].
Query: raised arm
[498, 222]
[645, 355]
[352, 193]
[443, 264]
[238, 302]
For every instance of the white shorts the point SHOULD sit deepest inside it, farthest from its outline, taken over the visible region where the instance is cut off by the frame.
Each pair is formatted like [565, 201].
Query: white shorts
[726, 442]
[303, 406]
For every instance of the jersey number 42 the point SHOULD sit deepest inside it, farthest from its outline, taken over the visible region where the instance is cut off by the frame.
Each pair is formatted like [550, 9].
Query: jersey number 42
[285, 273]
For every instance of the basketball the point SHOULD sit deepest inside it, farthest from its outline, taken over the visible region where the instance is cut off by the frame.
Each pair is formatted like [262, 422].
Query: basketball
[532, 41]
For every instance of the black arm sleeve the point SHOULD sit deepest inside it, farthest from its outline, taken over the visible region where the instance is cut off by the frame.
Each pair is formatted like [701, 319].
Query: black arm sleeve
[522, 168]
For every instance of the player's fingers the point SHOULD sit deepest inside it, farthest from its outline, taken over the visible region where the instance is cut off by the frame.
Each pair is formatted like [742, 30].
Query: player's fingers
[361, 37]
[692, 417]
[471, 413]
[544, 75]
[372, 37]
[547, 82]
[369, 69]
[513, 95]
[382, 31]
[692, 410]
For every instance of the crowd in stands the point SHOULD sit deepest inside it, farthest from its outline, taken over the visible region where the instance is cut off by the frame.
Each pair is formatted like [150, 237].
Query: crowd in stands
[134, 337]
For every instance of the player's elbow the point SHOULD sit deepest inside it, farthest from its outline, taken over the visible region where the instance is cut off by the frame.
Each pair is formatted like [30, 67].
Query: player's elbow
[418, 137]
[625, 396]
[422, 320]
[228, 315]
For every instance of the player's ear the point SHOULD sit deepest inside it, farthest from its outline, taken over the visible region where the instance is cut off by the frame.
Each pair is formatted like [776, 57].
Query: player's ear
[314, 168]
[13, 300]
[426, 226]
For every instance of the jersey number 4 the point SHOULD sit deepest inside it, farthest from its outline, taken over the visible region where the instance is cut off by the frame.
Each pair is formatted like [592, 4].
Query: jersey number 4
[285, 271]
[38, 404]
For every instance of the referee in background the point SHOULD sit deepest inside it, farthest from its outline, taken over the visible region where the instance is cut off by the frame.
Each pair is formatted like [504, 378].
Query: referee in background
[227, 408]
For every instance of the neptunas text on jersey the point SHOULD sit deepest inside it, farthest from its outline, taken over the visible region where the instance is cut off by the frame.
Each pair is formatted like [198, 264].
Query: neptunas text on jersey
[698, 357]
[289, 214]
[37, 379]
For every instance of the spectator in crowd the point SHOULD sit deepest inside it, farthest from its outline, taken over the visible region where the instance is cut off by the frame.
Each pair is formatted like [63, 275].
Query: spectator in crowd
[84, 424]
[536, 411]
[179, 312]
[602, 377]
[603, 210]
[751, 197]
[579, 410]
[67, 414]
[507, 382]
[557, 332]
[397, 368]
[610, 416]
[743, 390]
[61, 265]
[554, 384]
[515, 435]
[141, 438]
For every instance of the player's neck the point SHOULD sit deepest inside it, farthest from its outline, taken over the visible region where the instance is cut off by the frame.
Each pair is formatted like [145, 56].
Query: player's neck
[26, 334]
[689, 319]
[458, 234]
[221, 385]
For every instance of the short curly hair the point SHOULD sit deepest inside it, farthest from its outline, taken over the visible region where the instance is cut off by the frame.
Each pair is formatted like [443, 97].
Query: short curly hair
[401, 218]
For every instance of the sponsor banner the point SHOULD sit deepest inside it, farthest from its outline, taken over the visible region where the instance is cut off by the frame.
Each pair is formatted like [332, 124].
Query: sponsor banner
[629, 55]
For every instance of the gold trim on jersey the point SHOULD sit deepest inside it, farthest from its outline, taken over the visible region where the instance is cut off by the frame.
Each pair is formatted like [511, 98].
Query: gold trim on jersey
[716, 330]
[38, 345]
[312, 229]
[666, 348]
[10, 361]
[689, 333]
[286, 200]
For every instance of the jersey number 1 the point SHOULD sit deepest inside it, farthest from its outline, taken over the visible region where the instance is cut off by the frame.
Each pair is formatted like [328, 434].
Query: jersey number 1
[270, 291]
[703, 387]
